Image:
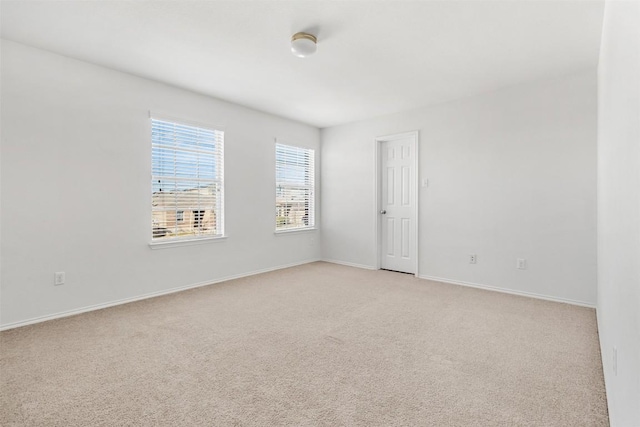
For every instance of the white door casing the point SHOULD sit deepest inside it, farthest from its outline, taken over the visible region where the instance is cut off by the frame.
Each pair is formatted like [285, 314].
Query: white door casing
[398, 203]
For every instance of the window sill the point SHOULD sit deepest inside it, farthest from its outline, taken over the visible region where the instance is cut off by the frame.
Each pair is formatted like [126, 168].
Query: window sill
[186, 242]
[295, 230]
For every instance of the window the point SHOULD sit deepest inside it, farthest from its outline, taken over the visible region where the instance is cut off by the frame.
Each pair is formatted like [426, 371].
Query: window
[198, 218]
[187, 181]
[294, 188]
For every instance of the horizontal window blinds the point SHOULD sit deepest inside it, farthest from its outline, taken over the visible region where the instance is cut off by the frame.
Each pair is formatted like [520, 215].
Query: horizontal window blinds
[187, 181]
[294, 187]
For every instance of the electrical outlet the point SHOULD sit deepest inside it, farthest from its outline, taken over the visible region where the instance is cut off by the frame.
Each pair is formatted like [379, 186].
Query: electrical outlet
[473, 258]
[59, 278]
[521, 264]
[615, 361]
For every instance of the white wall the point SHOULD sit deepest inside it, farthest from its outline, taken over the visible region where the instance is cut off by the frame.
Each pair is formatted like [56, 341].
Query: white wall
[512, 175]
[76, 192]
[619, 209]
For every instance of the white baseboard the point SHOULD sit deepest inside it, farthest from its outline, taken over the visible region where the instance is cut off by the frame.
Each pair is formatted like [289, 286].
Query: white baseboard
[508, 291]
[349, 264]
[142, 297]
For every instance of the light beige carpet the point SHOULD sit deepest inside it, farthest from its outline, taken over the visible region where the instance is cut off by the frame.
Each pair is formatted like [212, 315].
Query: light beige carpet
[315, 345]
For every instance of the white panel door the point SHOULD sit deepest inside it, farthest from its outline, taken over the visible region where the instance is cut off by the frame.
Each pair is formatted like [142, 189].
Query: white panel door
[397, 210]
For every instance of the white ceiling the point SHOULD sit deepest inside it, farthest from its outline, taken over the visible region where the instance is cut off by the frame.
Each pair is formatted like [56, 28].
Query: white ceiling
[374, 57]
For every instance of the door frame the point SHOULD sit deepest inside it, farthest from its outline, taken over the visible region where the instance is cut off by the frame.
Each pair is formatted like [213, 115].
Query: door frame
[414, 192]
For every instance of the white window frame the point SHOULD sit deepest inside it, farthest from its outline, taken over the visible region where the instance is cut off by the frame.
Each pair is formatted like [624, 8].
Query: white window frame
[310, 185]
[218, 156]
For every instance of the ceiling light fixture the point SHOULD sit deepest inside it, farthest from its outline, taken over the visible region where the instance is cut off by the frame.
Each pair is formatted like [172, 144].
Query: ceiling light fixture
[303, 44]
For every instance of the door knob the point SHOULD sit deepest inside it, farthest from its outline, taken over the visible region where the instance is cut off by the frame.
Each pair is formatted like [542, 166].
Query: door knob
[383, 212]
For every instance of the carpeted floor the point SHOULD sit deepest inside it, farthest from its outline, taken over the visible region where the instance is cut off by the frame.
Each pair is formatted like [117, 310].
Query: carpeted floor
[315, 345]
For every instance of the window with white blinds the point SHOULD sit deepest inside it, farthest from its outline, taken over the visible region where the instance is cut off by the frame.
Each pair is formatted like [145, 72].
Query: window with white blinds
[187, 181]
[294, 188]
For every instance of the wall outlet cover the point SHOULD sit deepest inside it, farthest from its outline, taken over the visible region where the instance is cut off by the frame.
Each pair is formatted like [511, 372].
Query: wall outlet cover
[58, 278]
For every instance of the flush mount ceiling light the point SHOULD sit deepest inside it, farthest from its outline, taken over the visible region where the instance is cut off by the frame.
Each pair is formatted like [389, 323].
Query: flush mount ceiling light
[303, 44]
